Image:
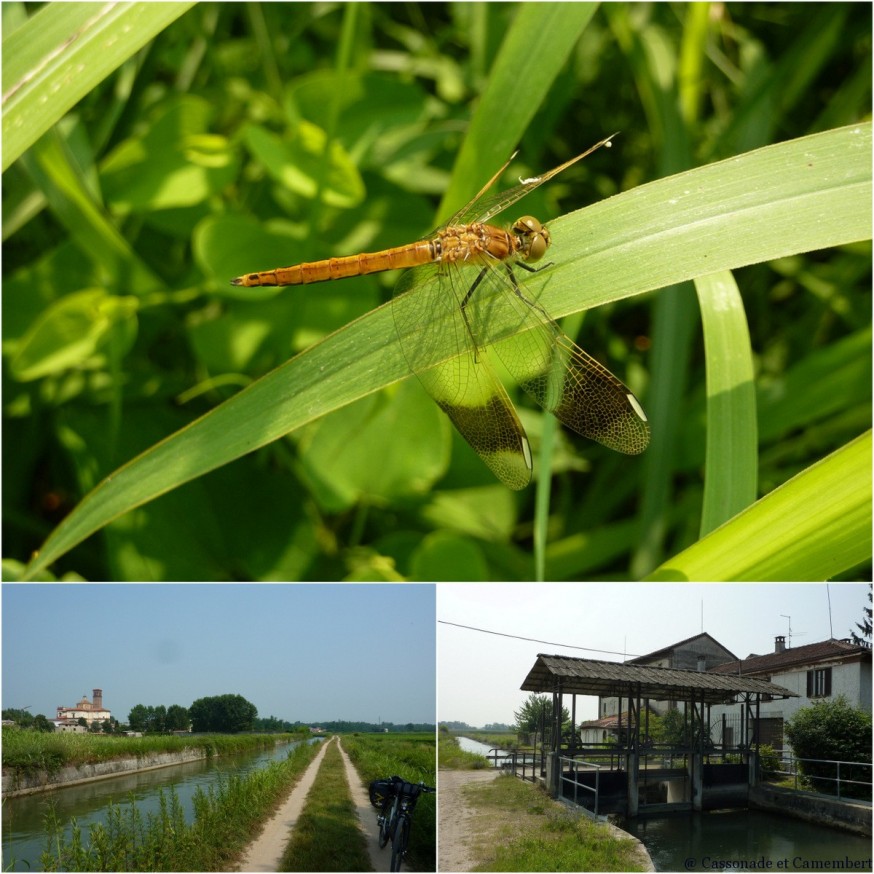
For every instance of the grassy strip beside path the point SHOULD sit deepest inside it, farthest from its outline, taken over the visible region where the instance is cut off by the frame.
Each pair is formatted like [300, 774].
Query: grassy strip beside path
[521, 829]
[226, 818]
[413, 757]
[327, 836]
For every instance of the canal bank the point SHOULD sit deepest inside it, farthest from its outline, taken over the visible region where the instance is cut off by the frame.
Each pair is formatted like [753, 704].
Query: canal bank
[852, 816]
[17, 782]
[217, 779]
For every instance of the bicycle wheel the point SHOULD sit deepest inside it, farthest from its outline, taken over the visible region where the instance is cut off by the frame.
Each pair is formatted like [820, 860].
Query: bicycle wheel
[385, 827]
[399, 841]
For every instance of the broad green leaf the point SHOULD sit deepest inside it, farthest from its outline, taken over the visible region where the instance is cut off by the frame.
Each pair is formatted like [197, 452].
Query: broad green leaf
[797, 196]
[444, 556]
[401, 103]
[732, 446]
[296, 163]
[346, 457]
[61, 53]
[70, 332]
[175, 163]
[51, 165]
[812, 527]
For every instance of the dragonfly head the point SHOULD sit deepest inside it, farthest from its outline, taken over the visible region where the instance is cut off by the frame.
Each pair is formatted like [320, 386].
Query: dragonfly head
[533, 238]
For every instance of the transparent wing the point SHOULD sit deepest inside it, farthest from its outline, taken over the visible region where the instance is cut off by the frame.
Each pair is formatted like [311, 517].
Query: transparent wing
[431, 326]
[561, 377]
[483, 208]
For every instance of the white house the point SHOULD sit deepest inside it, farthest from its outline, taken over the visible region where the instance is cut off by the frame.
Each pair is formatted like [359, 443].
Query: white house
[815, 672]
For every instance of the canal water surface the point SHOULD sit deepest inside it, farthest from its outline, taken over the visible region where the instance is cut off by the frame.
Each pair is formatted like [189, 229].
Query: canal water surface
[474, 746]
[24, 837]
[748, 840]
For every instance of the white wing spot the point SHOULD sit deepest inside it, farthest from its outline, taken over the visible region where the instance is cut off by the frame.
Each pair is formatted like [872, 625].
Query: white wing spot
[632, 402]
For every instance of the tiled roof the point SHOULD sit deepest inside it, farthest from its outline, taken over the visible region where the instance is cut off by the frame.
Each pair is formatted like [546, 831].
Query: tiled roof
[826, 650]
[591, 677]
[669, 649]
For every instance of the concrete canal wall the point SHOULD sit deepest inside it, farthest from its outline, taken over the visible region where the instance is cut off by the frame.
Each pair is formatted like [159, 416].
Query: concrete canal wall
[15, 783]
[854, 816]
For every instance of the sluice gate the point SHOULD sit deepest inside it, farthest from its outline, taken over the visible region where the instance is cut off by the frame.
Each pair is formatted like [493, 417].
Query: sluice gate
[634, 776]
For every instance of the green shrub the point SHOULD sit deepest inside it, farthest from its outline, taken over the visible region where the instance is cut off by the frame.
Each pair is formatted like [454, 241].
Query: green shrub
[836, 731]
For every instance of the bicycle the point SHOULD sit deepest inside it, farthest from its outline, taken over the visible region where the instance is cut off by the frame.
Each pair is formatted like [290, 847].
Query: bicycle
[396, 800]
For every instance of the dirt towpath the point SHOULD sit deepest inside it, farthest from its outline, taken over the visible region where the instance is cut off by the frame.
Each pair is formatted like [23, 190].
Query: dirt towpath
[455, 817]
[380, 859]
[265, 853]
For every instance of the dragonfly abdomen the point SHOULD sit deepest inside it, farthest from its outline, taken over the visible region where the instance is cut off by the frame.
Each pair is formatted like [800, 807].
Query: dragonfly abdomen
[341, 268]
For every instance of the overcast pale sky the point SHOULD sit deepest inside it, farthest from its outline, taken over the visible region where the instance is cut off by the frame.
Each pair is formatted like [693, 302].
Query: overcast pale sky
[298, 652]
[479, 674]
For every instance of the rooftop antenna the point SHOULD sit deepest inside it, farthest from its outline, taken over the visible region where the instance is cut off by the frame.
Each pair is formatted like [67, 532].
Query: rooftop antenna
[831, 633]
[702, 615]
[796, 633]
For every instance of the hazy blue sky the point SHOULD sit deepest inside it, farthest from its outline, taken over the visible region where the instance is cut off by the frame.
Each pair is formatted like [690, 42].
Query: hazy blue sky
[299, 652]
[480, 674]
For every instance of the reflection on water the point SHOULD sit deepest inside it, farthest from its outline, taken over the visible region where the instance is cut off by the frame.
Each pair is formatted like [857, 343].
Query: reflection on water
[474, 746]
[723, 840]
[24, 817]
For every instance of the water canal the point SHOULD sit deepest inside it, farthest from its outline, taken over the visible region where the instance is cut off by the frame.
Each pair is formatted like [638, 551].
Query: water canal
[474, 746]
[747, 840]
[24, 837]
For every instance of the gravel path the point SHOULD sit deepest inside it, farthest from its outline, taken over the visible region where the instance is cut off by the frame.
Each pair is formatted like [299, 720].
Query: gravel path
[379, 859]
[455, 818]
[265, 853]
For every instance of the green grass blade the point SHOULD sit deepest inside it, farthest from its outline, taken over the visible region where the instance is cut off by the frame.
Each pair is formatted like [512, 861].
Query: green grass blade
[798, 196]
[731, 466]
[61, 53]
[531, 57]
[813, 527]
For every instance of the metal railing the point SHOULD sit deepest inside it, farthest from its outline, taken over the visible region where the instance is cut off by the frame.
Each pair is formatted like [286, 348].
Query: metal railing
[528, 761]
[793, 771]
[575, 763]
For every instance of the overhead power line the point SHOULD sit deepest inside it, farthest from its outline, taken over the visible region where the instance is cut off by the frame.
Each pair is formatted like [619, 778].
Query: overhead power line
[537, 640]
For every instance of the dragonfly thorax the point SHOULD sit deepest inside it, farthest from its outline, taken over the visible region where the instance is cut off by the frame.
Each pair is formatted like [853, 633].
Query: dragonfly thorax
[533, 238]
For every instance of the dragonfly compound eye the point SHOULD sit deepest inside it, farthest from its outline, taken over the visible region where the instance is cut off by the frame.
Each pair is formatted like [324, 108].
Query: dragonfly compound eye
[536, 237]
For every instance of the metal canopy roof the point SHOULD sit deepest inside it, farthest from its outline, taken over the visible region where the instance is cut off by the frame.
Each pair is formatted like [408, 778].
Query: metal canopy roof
[590, 677]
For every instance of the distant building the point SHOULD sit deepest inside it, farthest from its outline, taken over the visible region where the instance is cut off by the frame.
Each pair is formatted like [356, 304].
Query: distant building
[67, 718]
[698, 653]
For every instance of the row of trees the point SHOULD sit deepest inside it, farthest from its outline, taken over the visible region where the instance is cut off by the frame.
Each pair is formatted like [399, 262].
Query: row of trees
[225, 713]
[222, 713]
[160, 719]
[341, 725]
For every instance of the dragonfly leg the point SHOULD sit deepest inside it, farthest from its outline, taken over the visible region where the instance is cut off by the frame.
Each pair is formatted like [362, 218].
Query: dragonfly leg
[467, 297]
[518, 291]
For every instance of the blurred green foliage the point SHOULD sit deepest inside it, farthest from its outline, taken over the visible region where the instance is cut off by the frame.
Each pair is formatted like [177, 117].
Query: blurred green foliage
[249, 136]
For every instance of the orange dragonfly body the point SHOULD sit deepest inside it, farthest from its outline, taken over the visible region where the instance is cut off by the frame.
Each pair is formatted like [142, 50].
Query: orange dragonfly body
[451, 325]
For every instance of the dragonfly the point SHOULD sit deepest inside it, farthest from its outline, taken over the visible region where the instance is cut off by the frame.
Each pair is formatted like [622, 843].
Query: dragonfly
[464, 294]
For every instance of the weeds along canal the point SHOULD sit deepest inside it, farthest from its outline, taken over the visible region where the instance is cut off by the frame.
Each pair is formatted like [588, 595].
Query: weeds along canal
[24, 834]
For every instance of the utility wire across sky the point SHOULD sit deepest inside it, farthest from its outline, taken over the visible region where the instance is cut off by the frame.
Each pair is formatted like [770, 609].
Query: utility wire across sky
[536, 640]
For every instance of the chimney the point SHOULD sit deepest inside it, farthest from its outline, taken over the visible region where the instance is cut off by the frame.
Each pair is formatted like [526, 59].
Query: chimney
[97, 703]
[779, 643]
[702, 663]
